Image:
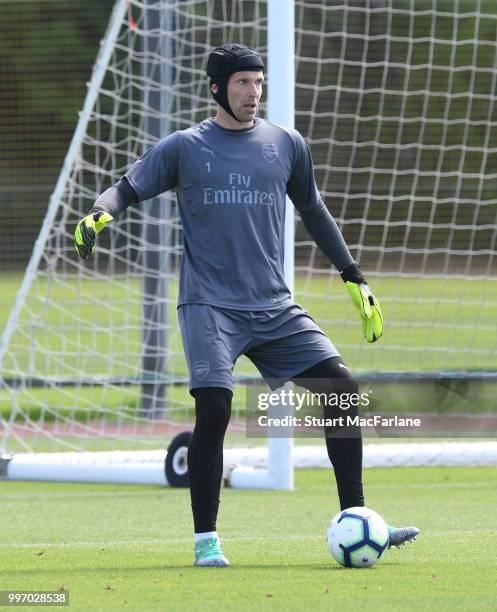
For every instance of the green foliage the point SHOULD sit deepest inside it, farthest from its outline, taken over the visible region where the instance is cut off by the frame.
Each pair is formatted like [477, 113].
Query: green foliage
[51, 46]
[51, 39]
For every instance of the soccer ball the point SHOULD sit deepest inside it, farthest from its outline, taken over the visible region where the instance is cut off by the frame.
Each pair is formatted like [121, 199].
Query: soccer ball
[357, 537]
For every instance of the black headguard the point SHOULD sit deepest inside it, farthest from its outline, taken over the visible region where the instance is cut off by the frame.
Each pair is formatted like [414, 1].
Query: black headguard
[225, 61]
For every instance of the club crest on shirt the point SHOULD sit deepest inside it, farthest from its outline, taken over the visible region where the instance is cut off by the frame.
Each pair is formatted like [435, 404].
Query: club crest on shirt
[270, 152]
[200, 369]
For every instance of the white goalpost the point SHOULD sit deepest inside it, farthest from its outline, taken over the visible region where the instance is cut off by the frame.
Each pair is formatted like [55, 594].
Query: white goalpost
[396, 101]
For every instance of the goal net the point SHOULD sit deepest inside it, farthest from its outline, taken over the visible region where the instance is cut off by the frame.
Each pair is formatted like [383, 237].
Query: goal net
[397, 103]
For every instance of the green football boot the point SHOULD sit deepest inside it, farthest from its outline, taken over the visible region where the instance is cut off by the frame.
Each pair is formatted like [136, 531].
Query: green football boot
[208, 553]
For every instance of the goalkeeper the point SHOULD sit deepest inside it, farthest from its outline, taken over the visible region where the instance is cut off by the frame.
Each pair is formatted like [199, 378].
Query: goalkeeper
[231, 174]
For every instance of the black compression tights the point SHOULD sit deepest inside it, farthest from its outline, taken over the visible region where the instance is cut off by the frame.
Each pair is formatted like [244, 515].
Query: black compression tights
[344, 449]
[205, 454]
[213, 409]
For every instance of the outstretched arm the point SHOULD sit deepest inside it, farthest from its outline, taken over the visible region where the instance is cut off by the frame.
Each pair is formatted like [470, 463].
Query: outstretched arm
[108, 205]
[152, 174]
[116, 199]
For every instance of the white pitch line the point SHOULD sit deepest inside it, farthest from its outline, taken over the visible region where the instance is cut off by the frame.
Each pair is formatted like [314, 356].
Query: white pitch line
[166, 491]
[435, 533]
[41, 496]
[430, 485]
[187, 540]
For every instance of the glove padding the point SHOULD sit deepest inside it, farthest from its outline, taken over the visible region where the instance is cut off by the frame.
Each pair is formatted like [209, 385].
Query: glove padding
[369, 310]
[87, 231]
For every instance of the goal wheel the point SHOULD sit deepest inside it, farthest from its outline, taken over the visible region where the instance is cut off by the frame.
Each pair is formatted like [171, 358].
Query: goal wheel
[176, 460]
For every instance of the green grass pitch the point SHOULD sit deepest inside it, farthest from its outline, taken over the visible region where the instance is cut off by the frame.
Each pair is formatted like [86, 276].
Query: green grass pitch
[130, 548]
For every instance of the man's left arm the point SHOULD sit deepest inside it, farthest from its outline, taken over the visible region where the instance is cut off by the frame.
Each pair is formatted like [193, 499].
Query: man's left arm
[321, 226]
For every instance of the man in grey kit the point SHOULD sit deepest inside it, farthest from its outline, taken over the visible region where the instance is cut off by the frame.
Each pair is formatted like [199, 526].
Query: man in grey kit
[231, 175]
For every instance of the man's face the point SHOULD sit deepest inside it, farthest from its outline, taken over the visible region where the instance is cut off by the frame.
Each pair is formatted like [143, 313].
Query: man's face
[244, 93]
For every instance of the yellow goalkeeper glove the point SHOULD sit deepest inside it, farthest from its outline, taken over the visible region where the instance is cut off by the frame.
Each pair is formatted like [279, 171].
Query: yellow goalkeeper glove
[87, 231]
[365, 302]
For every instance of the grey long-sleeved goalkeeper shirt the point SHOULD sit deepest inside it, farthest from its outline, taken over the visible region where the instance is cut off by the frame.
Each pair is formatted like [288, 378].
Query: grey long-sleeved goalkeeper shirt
[231, 187]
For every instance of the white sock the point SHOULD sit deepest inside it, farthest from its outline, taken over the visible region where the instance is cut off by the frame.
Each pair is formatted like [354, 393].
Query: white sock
[206, 536]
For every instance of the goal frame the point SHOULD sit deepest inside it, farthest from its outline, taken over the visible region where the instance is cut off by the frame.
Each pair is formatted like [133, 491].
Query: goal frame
[272, 467]
[281, 106]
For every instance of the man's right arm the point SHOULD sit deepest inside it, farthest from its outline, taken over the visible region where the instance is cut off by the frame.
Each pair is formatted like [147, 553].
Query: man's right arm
[110, 203]
[115, 199]
[152, 174]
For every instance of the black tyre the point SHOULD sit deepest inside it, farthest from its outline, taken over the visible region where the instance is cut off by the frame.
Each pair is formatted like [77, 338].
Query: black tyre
[176, 461]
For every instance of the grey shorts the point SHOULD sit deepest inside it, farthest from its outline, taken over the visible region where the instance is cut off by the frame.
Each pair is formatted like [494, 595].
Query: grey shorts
[281, 343]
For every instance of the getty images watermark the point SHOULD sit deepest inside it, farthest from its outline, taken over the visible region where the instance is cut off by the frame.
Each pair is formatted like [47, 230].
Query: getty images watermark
[386, 407]
[298, 399]
[297, 411]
